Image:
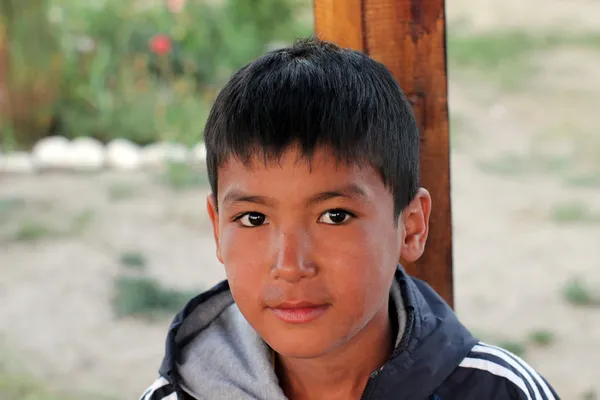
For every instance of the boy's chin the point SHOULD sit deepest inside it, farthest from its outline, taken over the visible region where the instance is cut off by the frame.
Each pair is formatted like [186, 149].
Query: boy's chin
[303, 353]
[302, 345]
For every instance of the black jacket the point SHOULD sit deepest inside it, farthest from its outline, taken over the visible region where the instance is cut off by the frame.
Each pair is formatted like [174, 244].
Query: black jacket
[437, 358]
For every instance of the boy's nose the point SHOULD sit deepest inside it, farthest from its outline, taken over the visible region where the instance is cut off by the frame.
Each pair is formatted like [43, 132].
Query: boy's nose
[292, 260]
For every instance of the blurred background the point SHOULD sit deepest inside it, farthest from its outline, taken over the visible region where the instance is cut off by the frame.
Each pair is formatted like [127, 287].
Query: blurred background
[95, 261]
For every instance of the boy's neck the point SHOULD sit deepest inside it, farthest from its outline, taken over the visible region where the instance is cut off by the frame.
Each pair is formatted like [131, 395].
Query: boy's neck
[343, 373]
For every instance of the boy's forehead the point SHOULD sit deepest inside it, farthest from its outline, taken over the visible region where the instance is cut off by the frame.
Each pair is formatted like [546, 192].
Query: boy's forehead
[295, 176]
[293, 156]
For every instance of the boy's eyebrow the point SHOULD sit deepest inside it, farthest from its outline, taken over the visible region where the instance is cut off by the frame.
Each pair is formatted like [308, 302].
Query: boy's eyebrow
[237, 196]
[351, 191]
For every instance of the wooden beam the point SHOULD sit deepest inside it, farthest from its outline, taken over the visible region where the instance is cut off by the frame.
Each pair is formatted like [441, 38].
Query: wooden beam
[408, 36]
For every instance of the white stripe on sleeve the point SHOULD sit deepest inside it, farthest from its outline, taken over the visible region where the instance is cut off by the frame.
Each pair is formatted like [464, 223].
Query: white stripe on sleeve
[496, 369]
[160, 382]
[532, 372]
[481, 348]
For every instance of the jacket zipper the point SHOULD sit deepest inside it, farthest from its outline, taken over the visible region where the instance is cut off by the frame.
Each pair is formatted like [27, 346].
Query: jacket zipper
[369, 381]
[403, 345]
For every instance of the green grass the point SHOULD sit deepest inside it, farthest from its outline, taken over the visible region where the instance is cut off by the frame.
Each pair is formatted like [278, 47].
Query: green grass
[120, 191]
[506, 165]
[501, 57]
[541, 338]
[184, 176]
[590, 180]
[133, 260]
[514, 347]
[510, 164]
[577, 293]
[145, 297]
[19, 387]
[493, 48]
[504, 57]
[552, 164]
[82, 220]
[30, 230]
[573, 212]
[15, 384]
[9, 205]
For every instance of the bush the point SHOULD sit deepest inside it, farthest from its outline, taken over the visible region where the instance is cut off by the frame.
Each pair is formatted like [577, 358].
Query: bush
[144, 297]
[579, 294]
[124, 69]
[30, 71]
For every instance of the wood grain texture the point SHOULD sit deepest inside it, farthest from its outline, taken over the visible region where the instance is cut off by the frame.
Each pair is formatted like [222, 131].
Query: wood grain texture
[341, 20]
[408, 36]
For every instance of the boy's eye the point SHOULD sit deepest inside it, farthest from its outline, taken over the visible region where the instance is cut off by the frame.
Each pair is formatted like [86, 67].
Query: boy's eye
[253, 219]
[335, 217]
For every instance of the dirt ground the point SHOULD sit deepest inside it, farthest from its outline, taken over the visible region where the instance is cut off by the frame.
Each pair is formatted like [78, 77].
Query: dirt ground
[515, 245]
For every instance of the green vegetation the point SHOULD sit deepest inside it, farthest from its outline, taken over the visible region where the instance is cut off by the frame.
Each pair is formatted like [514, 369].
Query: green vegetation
[514, 347]
[133, 260]
[120, 70]
[81, 221]
[16, 384]
[505, 57]
[541, 338]
[508, 164]
[35, 222]
[184, 176]
[120, 191]
[8, 205]
[145, 297]
[579, 294]
[573, 212]
[32, 229]
[589, 179]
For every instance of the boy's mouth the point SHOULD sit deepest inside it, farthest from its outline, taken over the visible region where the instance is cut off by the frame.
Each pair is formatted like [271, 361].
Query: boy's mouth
[298, 312]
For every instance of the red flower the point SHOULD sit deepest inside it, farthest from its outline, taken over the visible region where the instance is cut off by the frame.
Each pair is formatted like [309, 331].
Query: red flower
[160, 44]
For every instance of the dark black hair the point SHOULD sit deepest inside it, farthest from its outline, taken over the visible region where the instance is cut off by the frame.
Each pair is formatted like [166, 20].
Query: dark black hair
[315, 94]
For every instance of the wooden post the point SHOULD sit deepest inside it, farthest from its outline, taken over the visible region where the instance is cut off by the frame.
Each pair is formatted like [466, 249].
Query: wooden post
[408, 36]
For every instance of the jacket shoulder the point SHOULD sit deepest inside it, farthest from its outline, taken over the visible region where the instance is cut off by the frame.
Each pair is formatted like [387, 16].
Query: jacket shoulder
[160, 389]
[490, 372]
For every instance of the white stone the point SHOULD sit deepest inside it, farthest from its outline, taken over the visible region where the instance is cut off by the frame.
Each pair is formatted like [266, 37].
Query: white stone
[122, 154]
[158, 154]
[153, 155]
[86, 154]
[52, 152]
[178, 153]
[199, 152]
[18, 163]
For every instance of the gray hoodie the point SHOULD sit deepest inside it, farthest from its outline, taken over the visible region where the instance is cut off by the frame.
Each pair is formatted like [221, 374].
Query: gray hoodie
[224, 358]
[213, 353]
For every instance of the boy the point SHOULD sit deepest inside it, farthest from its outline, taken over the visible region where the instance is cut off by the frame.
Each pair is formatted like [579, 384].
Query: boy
[313, 161]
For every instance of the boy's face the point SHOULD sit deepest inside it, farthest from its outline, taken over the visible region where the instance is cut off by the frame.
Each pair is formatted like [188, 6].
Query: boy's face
[310, 249]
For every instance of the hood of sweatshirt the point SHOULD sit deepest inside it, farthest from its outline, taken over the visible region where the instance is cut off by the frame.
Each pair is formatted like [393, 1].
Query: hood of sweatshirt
[213, 352]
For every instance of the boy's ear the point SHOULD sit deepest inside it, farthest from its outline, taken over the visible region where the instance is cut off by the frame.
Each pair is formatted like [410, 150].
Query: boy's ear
[211, 207]
[414, 221]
